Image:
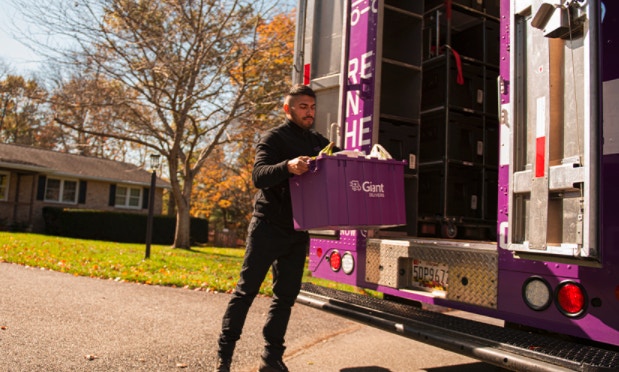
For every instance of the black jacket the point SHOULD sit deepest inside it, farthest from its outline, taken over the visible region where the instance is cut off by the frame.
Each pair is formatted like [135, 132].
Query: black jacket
[270, 174]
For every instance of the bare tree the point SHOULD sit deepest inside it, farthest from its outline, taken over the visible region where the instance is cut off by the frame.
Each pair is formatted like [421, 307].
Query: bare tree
[180, 65]
[86, 103]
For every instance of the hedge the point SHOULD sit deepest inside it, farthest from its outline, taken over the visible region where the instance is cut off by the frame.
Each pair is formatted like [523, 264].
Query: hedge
[117, 226]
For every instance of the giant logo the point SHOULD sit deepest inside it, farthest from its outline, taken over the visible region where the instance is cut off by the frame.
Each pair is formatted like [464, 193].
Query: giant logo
[371, 189]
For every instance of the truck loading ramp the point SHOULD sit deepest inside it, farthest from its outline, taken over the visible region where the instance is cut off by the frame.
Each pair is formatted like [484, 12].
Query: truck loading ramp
[508, 348]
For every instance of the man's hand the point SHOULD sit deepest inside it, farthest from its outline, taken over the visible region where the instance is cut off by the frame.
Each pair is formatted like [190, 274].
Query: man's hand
[298, 165]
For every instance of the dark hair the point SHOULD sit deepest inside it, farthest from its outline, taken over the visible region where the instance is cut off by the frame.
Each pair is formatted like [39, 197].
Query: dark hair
[301, 90]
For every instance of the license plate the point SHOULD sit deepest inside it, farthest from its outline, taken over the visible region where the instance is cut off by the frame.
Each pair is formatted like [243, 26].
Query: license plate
[431, 276]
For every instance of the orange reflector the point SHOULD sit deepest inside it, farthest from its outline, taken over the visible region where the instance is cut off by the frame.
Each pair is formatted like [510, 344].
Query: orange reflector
[571, 299]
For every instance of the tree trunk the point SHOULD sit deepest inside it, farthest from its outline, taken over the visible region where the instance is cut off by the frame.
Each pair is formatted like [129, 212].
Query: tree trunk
[182, 236]
[171, 205]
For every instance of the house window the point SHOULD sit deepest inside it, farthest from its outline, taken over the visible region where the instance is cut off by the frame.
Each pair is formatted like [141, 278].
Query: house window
[61, 191]
[4, 185]
[128, 197]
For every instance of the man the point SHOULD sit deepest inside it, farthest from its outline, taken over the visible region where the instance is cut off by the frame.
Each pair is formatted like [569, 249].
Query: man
[282, 152]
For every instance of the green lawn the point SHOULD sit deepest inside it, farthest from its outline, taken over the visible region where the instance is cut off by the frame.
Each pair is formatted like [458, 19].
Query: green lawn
[204, 268]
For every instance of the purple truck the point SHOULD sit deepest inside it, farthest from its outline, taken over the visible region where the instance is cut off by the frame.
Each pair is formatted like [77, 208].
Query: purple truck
[504, 115]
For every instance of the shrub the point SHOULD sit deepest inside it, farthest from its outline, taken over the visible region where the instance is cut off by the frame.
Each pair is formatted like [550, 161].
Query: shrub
[117, 226]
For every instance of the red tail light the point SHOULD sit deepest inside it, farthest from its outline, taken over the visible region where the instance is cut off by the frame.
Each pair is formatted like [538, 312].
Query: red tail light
[335, 260]
[571, 299]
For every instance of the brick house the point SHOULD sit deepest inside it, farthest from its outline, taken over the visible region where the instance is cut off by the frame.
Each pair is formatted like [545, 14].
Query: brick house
[32, 178]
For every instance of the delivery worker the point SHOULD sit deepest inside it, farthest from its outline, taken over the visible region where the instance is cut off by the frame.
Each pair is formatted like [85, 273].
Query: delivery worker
[272, 241]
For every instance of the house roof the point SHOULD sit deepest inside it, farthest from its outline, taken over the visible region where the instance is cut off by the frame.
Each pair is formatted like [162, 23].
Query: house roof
[32, 159]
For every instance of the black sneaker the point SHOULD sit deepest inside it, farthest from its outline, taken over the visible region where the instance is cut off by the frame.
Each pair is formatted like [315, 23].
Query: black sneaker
[223, 365]
[272, 366]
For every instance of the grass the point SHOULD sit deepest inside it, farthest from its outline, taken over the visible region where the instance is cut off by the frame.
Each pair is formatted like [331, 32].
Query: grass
[202, 268]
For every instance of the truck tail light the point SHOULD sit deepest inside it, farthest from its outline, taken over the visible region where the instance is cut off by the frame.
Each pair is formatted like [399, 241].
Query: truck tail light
[348, 263]
[537, 293]
[335, 260]
[571, 299]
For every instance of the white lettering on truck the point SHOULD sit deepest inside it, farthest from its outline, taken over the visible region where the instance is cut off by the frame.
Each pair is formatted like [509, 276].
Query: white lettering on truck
[361, 64]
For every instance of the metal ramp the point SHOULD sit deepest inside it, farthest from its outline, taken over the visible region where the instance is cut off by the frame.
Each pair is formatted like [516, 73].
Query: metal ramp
[511, 349]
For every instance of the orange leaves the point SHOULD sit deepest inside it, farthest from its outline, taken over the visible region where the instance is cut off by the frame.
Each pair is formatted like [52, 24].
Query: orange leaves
[21, 111]
[224, 190]
[277, 35]
[272, 53]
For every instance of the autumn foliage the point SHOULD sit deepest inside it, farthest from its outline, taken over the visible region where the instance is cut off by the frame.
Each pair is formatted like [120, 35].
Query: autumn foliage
[224, 191]
[21, 121]
[195, 82]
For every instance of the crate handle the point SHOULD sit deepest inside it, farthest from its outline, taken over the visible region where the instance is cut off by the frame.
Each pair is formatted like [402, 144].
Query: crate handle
[312, 164]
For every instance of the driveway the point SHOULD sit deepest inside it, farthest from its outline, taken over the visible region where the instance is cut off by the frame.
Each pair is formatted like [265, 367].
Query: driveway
[51, 321]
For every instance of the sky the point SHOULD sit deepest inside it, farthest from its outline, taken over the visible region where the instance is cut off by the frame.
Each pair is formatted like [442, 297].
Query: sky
[18, 56]
[21, 59]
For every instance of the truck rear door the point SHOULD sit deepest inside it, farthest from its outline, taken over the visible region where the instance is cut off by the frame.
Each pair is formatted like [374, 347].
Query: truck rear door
[553, 124]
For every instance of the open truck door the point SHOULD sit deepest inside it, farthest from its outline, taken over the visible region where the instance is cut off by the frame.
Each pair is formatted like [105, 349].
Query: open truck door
[551, 129]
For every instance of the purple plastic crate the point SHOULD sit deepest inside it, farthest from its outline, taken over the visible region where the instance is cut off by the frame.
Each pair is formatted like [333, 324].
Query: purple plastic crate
[341, 192]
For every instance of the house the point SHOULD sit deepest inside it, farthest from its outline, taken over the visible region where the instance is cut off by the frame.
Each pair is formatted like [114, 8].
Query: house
[33, 178]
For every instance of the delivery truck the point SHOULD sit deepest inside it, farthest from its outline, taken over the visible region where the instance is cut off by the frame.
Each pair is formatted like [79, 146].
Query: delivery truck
[505, 117]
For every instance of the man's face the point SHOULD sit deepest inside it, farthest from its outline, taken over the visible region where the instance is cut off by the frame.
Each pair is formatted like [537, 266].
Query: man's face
[301, 111]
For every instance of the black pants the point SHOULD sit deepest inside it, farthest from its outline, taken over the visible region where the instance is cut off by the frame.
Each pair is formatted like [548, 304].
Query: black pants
[285, 250]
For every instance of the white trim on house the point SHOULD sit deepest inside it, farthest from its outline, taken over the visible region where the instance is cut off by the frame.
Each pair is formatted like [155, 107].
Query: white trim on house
[130, 198]
[61, 195]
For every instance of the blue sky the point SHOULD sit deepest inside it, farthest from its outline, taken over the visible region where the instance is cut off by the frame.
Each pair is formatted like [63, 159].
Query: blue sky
[12, 52]
[19, 57]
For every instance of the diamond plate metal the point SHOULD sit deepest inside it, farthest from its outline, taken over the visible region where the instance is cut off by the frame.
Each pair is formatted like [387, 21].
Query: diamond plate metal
[372, 267]
[473, 266]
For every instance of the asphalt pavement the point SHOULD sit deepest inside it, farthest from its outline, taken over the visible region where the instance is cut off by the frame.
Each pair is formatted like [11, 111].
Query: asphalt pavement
[51, 321]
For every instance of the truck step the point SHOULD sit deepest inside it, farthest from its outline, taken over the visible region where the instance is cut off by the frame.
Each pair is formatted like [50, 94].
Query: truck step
[508, 348]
